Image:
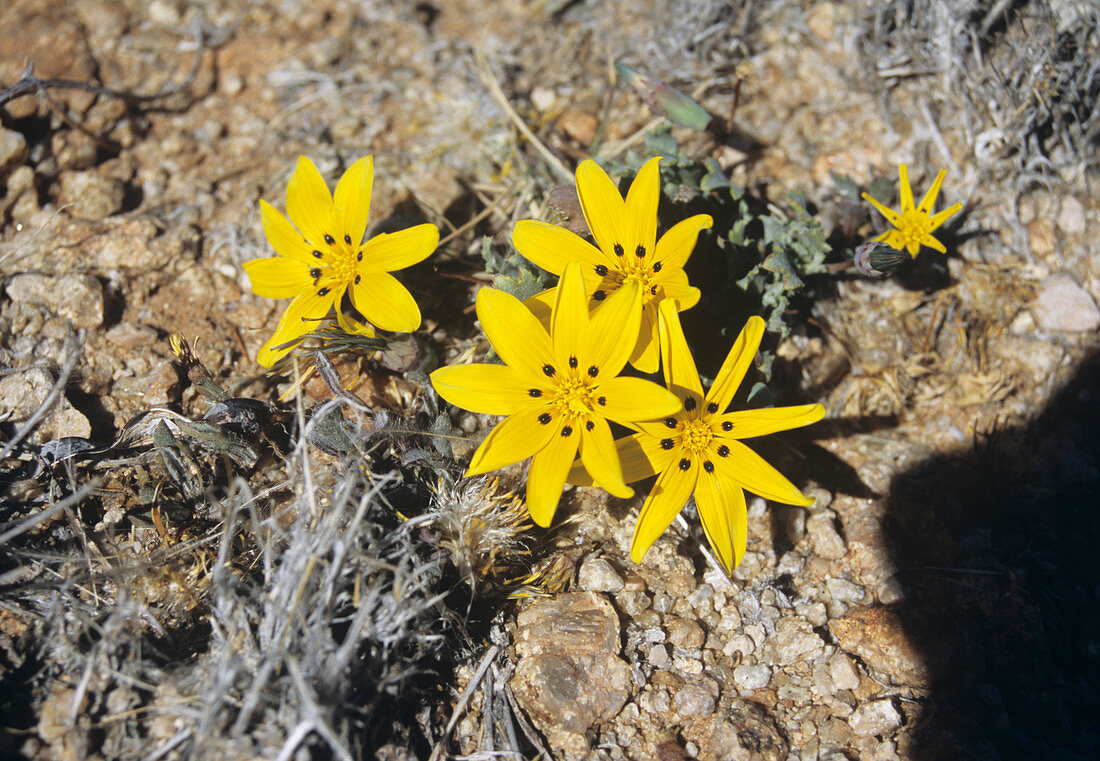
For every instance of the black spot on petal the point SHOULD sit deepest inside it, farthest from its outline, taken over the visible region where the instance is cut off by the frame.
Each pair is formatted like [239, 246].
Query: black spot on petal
[567, 431]
[329, 239]
[685, 464]
[689, 403]
[359, 257]
[602, 401]
[323, 291]
[712, 408]
[318, 255]
[656, 267]
[589, 425]
[593, 371]
[723, 451]
[639, 251]
[347, 239]
[544, 418]
[548, 371]
[727, 426]
[708, 466]
[357, 279]
[667, 444]
[601, 270]
[670, 422]
[573, 362]
[619, 249]
[599, 295]
[534, 393]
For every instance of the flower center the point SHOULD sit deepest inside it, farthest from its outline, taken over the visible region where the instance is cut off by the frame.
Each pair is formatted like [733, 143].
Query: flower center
[696, 436]
[573, 398]
[914, 226]
[338, 260]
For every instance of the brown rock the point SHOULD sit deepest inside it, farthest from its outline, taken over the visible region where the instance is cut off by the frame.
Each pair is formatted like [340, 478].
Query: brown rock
[90, 195]
[579, 125]
[78, 298]
[22, 393]
[1042, 238]
[569, 676]
[13, 151]
[878, 636]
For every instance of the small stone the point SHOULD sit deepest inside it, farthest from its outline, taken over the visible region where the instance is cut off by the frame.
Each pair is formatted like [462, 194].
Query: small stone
[90, 195]
[795, 640]
[843, 671]
[844, 590]
[13, 151]
[684, 633]
[632, 602]
[820, 21]
[78, 298]
[878, 636]
[1042, 238]
[573, 624]
[827, 543]
[579, 125]
[22, 393]
[878, 717]
[695, 700]
[1062, 305]
[598, 575]
[1072, 216]
[658, 656]
[543, 98]
[752, 677]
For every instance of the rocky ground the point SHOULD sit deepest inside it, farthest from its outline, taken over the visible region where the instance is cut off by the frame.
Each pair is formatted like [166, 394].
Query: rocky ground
[939, 599]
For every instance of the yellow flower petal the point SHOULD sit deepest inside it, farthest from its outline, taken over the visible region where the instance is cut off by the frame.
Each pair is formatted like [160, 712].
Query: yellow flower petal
[750, 423]
[722, 511]
[309, 203]
[278, 277]
[600, 458]
[891, 216]
[668, 498]
[546, 478]
[750, 470]
[938, 219]
[384, 301]
[675, 246]
[646, 355]
[353, 326]
[641, 209]
[641, 456]
[388, 252]
[283, 237]
[541, 305]
[927, 240]
[632, 399]
[569, 318]
[737, 364]
[489, 389]
[351, 203]
[552, 247]
[300, 318]
[904, 190]
[681, 375]
[515, 438]
[611, 329]
[602, 205]
[929, 199]
[514, 332]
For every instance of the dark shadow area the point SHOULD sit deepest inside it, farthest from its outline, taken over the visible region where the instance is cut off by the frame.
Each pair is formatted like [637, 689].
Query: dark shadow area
[997, 551]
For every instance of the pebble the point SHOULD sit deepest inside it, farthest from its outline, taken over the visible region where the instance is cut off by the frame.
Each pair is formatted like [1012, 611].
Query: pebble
[89, 195]
[1062, 305]
[826, 541]
[598, 575]
[684, 633]
[795, 640]
[78, 298]
[695, 699]
[844, 590]
[878, 717]
[579, 125]
[13, 151]
[843, 671]
[1042, 239]
[752, 677]
[20, 395]
[658, 656]
[569, 675]
[1072, 216]
[878, 636]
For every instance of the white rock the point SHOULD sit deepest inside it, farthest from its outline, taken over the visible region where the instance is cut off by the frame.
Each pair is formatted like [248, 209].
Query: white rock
[827, 543]
[13, 151]
[844, 590]
[598, 575]
[843, 671]
[879, 717]
[78, 298]
[752, 677]
[1062, 305]
[1072, 216]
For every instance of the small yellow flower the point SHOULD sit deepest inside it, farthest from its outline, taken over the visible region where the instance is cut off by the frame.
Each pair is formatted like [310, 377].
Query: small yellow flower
[914, 224]
[626, 250]
[558, 389]
[698, 450]
[322, 256]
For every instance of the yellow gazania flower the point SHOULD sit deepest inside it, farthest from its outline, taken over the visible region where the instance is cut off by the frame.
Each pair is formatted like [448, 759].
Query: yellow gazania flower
[626, 250]
[699, 449]
[914, 224]
[558, 389]
[322, 255]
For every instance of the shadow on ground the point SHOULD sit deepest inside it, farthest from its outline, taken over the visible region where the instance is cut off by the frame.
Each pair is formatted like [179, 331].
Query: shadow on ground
[1000, 551]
